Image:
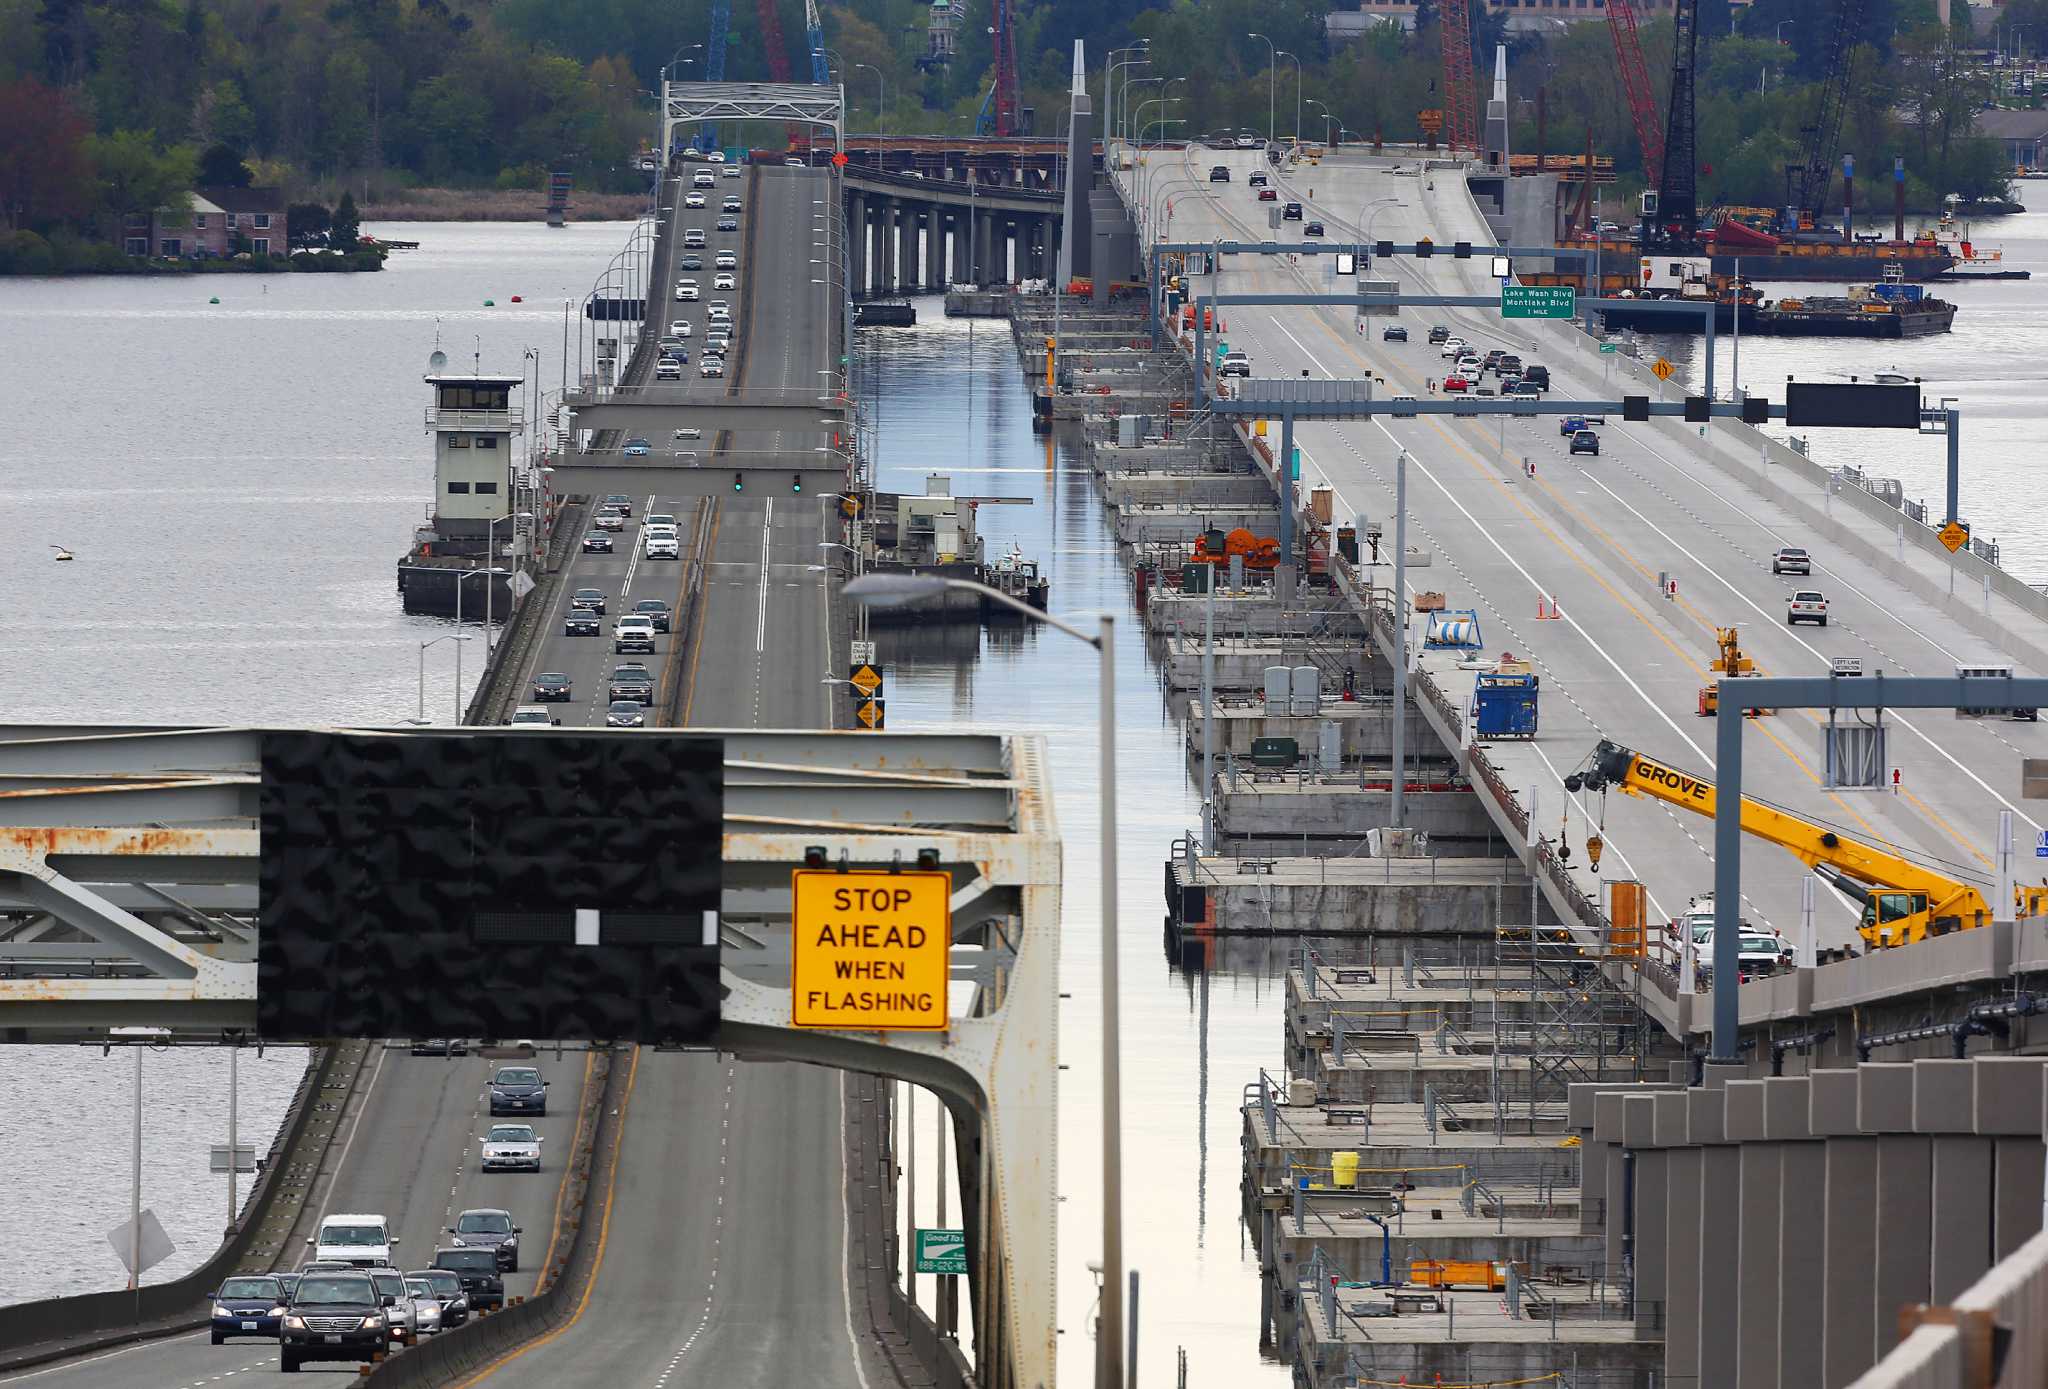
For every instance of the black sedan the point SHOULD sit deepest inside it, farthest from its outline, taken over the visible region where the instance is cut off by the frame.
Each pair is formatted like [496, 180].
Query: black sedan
[1393, 332]
[625, 713]
[597, 543]
[518, 1090]
[551, 686]
[591, 599]
[1312, 229]
[655, 611]
[581, 622]
[248, 1306]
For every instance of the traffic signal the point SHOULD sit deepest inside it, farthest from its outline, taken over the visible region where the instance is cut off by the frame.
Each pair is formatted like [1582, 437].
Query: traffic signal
[796, 482]
[739, 482]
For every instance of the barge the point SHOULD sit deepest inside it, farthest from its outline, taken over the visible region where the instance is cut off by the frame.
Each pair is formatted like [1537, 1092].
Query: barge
[1889, 309]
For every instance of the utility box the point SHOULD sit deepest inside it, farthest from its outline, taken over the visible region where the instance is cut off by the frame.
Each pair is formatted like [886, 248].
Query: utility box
[1329, 746]
[1275, 752]
[1307, 692]
[1504, 706]
[1129, 431]
[1195, 578]
[1279, 690]
[1853, 756]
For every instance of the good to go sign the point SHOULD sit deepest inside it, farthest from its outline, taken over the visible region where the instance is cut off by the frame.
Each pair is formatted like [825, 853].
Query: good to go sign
[869, 952]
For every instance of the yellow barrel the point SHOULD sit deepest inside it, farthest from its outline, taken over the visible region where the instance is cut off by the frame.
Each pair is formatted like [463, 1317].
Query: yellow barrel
[1344, 1170]
[1259, 428]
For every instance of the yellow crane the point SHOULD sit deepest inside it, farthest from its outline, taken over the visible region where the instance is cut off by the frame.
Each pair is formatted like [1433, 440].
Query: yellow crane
[1903, 902]
[1731, 660]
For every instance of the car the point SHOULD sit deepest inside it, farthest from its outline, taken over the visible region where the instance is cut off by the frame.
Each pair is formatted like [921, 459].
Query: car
[728, 224]
[1568, 425]
[608, 521]
[679, 328]
[590, 599]
[694, 198]
[1492, 359]
[711, 367]
[790, 161]
[520, 1089]
[1457, 383]
[551, 685]
[399, 1311]
[668, 369]
[655, 611]
[690, 260]
[1312, 229]
[687, 291]
[729, 171]
[719, 311]
[619, 502]
[324, 1266]
[511, 1147]
[633, 634]
[662, 518]
[1790, 559]
[1219, 173]
[726, 260]
[1393, 332]
[693, 239]
[1268, 195]
[1586, 441]
[716, 157]
[357, 1240]
[686, 433]
[1291, 213]
[248, 1305]
[637, 448]
[426, 1306]
[532, 715]
[625, 713]
[287, 1282]
[1508, 362]
[1538, 373]
[477, 1269]
[334, 1316]
[1247, 142]
[1256, 179]
[1470, 365]
[437, 1046]
[731, 203]
[1235, 363]
[659, 546]
[634, 682]
[725, 279]
[580, 622]
[1527, 389]
[1807, 605]
[1438, 333]
[1452, 348]
[445, 1288]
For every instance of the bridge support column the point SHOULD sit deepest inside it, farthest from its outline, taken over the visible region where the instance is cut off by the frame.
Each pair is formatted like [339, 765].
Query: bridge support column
[984, 254]
[878, 274]
[956, 245]
[885, 239]
[906, 247]
[857, 245]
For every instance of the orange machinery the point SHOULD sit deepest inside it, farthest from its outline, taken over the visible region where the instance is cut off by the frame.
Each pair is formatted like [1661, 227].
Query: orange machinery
[1214, 547]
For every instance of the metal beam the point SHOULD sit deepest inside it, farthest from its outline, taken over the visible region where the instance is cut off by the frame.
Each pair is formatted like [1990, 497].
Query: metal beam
[656, 420]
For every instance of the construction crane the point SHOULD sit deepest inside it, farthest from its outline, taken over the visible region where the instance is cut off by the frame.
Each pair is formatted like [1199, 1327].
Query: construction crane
[1806, 183]
[814, 35]
[1461, 100]
[1729, 660]
[999, 110]
[1903, 902]
[1672, 223]
[771, 39]
[714, 59]
[1635, 82]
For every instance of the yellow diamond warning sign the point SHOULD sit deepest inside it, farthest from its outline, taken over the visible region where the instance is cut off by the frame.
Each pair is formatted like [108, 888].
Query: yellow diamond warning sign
[1662, 369]
[869, 951]
[867, 678]
[1954, 535]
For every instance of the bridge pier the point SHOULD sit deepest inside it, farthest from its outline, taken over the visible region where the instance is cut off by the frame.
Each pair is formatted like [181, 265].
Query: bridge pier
[984, 237]
[906, 247]
[885, 248]
[957, 222]
[857, 245]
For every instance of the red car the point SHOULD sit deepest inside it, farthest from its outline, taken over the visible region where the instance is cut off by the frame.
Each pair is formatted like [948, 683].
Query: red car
[1456, 383]
[1267, 195]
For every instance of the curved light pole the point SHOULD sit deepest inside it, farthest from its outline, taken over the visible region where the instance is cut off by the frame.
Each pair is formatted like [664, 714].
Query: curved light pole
[1328, 119]
[1124, 121]
[1272, 80]
[676, 59]
[1110, 94]
[881, 104]
[1154, 123]
[1295, 58]
[421, 720]
[896, 590]
[1140, 141]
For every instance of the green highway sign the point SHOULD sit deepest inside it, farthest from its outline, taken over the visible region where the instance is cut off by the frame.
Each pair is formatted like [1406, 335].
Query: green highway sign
[1537, 301]
[942, 1251]
[1607, 347]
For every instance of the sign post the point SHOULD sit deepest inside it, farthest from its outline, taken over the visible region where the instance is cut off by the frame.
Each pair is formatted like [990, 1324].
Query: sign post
[870, 951]
[1538, 301]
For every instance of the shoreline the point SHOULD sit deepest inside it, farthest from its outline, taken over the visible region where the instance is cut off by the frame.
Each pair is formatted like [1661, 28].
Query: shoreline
[498, 205]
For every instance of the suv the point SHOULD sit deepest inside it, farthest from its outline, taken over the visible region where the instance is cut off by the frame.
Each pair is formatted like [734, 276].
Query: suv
[1586, 441]
[693, 239]
[1539, 374]
[588, 599]
[1807, 605]
[1235, 363]
[492, 1229]
[655, 611]
[633, 634]
[478, 1270]
[552, 685]
[581, 622]
[532, 715]
[519, 1089]
[634, 682]
[1255, 179]
[1220, 174]
[1291, 213]
[1439, 333]
[1791, 560]
[335, 1316]
[1393, 332]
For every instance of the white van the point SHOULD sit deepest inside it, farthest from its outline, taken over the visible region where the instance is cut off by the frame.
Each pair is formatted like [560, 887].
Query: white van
[362, 1240]
[533, 714]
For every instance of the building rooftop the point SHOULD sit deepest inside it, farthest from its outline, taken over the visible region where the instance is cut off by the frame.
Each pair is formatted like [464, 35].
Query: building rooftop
[2013, 125]
[470, 378]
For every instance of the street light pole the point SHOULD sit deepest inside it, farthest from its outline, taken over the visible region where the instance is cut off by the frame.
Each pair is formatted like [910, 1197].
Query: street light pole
[1272, 81]
[1296, 58]
[891, 590]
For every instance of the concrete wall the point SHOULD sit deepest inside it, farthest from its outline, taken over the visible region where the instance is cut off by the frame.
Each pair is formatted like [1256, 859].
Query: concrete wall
[1441, 908]
[1243, 813]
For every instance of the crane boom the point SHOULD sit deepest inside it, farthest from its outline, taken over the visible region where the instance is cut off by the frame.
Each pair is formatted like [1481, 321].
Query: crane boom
[1903, 902]
[1635, 83]
[1677, 223]
[814, 35]
[1824, 136]
[1461, 102]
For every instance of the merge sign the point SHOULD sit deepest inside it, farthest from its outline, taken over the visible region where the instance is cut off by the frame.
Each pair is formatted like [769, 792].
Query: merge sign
[869, 952]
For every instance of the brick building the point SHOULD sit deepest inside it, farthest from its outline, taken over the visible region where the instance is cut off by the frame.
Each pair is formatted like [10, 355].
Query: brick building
[209, 227]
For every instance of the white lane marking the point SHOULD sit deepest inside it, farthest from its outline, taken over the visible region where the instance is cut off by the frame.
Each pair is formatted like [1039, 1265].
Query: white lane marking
[717, 1239]
[96, 1359]
[761, 609]
[846, 1244]
[356, 1124]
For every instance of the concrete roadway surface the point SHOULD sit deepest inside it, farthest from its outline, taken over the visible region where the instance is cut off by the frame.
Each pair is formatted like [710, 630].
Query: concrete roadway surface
[724, 1237]
[1594, 532]
[410, 1152]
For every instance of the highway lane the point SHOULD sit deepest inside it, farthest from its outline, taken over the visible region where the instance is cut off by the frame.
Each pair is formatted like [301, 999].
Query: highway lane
[411, 1154]
[724, 1256]
[1595, 531]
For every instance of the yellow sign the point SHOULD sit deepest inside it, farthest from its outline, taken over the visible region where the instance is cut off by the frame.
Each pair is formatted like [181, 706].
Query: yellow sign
[1955, 535]
[869, 952]
[1431, 120]
[867, 678]
[869, 713]
[1662, 369]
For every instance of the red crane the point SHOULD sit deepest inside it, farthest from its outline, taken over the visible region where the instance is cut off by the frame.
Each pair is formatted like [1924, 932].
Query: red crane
[1635, 80]
[1461, 99]
[1008, 114]
[771, 39]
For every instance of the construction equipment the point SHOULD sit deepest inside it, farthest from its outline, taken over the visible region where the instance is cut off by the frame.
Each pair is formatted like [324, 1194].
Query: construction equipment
[1504, 702]
[1635, 82]
[1671, 224]
[999, 110]
[1806, 183]
[814, 36]
[1453, 629]
[1903, 902]
[1215, 547]
[1490, 1276]
[1461, 99]
[1731, 661]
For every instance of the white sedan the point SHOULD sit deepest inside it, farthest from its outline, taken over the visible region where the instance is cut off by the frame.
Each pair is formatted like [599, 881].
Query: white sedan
[693, 198]
[725, 279]
[513, 1147]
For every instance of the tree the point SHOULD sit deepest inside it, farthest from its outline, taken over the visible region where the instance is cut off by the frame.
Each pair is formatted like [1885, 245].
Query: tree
[221, 166]
[345, 229]
[135, 175]
[309, 223]
[45, 171]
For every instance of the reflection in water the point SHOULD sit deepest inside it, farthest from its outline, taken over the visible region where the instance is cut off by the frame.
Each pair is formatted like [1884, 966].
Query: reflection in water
[954, 401]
